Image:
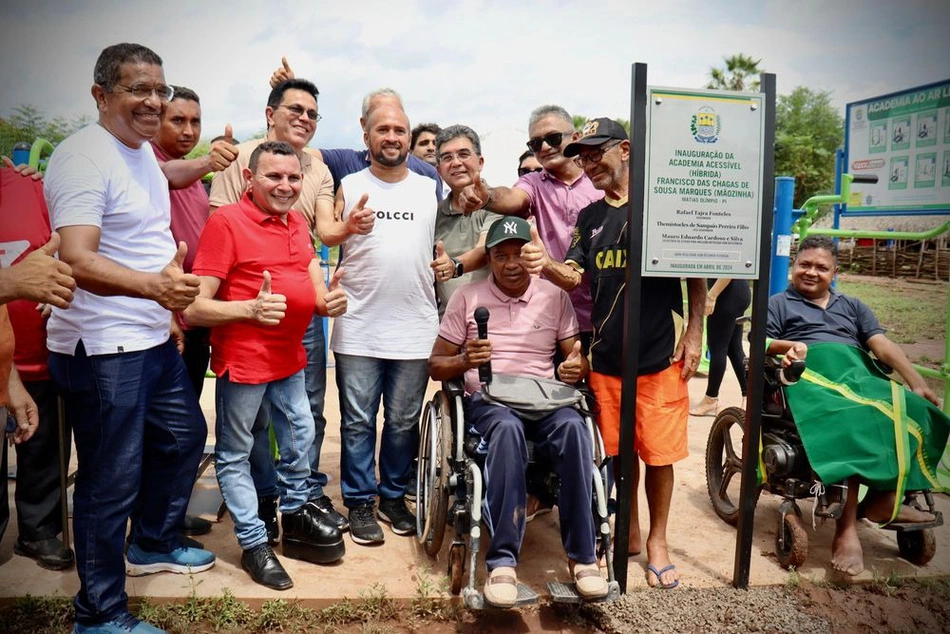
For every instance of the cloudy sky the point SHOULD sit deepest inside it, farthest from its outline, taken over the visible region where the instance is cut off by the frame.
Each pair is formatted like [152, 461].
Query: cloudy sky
[485, 63]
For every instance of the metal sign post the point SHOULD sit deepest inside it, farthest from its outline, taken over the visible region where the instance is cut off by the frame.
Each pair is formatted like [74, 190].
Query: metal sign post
[760, 304]
[631, 329]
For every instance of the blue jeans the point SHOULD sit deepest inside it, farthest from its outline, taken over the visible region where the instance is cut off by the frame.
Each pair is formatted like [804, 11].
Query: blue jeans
[139, 434]
[361, 382]
[315, 377]
[241, 421]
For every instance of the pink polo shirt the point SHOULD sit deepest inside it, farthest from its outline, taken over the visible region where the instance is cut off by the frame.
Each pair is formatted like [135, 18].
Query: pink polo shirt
[524, 331]
[189, 208]
[555, 206]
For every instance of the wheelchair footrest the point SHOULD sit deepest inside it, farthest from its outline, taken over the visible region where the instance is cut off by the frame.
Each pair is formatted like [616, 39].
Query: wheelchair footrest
[567, 593]
[475, 600]
[915, 526]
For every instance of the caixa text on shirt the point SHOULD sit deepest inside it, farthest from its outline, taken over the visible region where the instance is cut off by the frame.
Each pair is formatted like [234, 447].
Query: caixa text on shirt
[395, 215]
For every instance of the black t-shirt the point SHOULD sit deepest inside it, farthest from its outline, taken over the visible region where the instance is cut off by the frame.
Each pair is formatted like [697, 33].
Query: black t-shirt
[599, 246]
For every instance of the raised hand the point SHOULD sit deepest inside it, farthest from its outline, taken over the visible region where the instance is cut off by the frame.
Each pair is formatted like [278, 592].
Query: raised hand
[44, 279]
[475, 196]
[533, 253]
[336, 296]
[283, 73]
[175, 289]
[223, 152]
[361, 218]
[571, 368]
[268, 308]
[442, 265]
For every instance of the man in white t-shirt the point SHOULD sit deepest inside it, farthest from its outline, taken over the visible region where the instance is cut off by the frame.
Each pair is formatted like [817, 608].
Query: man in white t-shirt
[385, 219]
[138, 428]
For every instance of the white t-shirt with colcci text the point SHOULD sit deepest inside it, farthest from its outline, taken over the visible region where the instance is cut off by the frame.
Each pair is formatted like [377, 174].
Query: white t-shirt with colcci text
[391, 310]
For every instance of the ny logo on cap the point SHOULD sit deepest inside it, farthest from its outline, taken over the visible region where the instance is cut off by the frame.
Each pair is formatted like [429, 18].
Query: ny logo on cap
[511, 227]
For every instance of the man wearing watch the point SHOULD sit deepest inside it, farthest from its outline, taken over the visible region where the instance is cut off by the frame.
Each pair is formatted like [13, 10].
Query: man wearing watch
[459, 256]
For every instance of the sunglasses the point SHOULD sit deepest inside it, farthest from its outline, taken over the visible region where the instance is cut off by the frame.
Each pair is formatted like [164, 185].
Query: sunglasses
[594, 156]
[553, 140]
[527, 170]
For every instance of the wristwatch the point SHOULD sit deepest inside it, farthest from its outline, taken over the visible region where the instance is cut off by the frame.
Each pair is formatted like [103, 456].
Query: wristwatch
[459, 267]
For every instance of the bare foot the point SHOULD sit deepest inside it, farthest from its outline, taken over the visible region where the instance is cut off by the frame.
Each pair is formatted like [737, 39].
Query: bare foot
[659, 560]
[846, 553]
[634, 543]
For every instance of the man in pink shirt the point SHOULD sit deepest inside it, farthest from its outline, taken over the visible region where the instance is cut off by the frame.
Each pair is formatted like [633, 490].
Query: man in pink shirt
[529, 319]
[554, 196]
[179, 134]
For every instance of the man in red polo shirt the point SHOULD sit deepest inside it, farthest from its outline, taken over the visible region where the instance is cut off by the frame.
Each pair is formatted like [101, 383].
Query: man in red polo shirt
[260, 286]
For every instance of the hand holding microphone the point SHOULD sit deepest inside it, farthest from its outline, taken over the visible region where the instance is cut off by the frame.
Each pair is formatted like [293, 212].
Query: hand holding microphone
[482, 360]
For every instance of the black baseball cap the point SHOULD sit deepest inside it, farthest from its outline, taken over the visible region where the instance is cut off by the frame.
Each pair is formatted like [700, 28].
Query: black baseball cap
[508, 228]
[596, 132]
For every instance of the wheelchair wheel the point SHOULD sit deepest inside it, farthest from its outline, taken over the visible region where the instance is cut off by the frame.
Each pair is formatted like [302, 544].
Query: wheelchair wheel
[724, 463]
[456, 567]
[432, 491]
[917, 547]
[791, 541]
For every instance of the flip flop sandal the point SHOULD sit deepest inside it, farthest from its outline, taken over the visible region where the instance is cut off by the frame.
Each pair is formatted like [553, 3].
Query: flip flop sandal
[501, 589]
[659, 579]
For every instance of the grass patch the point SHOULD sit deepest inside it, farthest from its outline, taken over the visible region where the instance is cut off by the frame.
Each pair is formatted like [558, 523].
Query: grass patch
[908, 314]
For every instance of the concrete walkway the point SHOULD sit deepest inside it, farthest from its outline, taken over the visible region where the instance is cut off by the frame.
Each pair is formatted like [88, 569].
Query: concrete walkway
[702, 546]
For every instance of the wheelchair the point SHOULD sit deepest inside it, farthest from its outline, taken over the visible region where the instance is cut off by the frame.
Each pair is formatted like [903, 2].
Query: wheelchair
[788, 474]
[449, 492]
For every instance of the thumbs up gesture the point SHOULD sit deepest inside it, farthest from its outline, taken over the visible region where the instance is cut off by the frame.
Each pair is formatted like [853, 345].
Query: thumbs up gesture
[174, 289]
[573, 368]
[42, 278]
[442, 264]
[361, 218]
[223, 153]
[335, 298]
[268, 308]
[533, 253]
[283, 73]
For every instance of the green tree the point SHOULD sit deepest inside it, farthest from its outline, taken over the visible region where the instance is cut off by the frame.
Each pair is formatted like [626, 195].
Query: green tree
[741, 72]
[28, 123]
[808, 131]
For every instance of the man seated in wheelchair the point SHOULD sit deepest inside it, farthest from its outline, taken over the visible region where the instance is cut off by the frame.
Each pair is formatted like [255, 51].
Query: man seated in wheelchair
[529, 318]
[856, 425]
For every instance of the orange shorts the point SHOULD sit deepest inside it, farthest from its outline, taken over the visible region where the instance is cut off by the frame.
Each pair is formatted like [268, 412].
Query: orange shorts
[662, 415]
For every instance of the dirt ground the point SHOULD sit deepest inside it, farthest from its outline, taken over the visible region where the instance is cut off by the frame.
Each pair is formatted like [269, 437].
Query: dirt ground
[892, 597]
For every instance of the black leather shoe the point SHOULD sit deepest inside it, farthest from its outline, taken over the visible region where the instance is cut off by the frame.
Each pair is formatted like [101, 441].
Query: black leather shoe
[309, 537]
[267, 511]
[264, 567]
[195, 526]
[324, 506]
[48, 553]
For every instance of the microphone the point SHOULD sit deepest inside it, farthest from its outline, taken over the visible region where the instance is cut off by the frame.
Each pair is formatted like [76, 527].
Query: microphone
[481, 323]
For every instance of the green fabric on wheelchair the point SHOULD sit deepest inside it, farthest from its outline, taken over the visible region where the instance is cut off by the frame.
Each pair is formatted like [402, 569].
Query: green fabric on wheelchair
[531, 397]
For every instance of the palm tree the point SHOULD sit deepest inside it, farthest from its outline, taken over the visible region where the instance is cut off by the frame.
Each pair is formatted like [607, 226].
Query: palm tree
[741, 73]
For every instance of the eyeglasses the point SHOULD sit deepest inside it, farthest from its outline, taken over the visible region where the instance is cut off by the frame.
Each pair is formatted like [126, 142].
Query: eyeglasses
[447, 158]
[527, 170]
[553, 140]
[594, 156]
[298, 112]
[144, 91]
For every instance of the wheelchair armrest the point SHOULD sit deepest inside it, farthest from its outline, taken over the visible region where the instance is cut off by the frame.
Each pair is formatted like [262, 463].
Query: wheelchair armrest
[454, 387]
